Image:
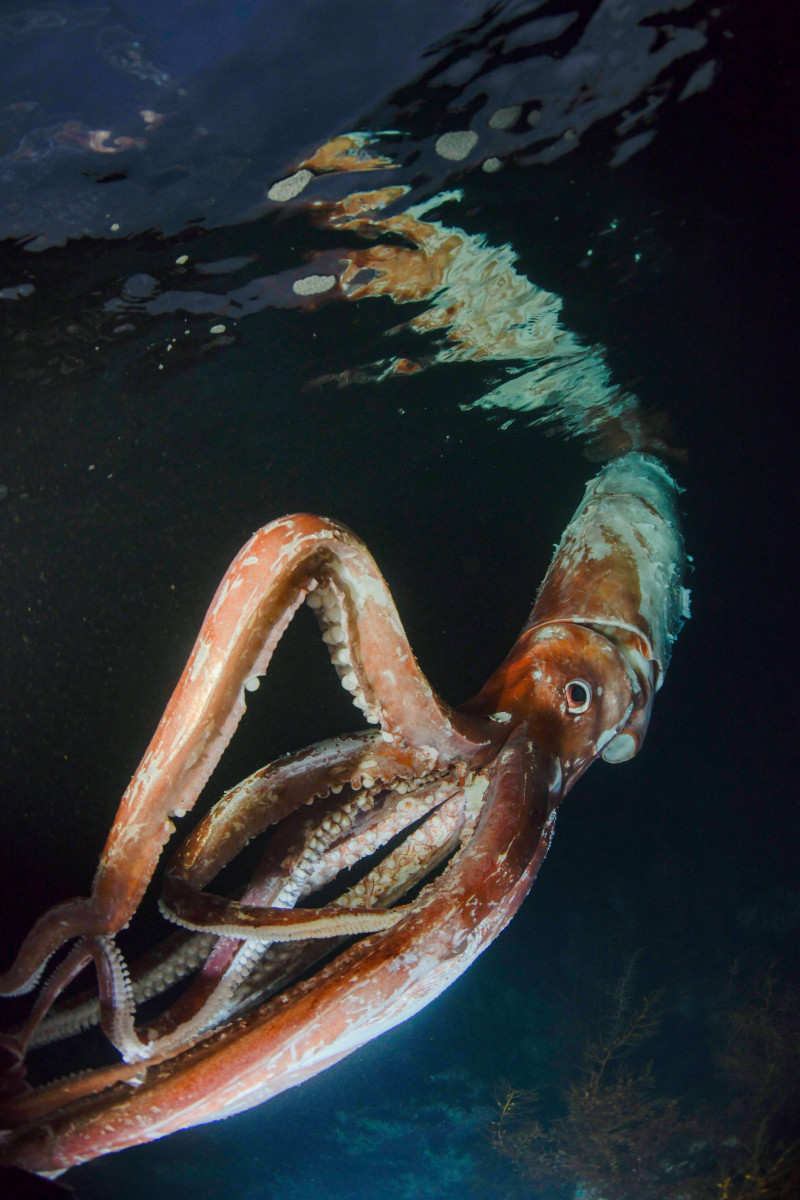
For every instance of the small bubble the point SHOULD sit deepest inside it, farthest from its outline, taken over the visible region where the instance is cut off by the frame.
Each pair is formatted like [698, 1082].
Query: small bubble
[504, 117]
[311, 285]
[457, 144]
[293, 185]
[139, 287]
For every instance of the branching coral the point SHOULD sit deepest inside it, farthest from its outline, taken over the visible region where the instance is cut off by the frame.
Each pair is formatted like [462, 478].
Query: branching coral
[615, 1129]
[617, 1138]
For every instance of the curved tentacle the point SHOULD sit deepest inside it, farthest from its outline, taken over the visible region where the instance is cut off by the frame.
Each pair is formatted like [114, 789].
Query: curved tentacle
[154, 973]
[261, 591]
[116, 1005]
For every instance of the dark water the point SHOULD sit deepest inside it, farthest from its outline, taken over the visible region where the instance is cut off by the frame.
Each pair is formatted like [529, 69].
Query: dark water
[656, 193]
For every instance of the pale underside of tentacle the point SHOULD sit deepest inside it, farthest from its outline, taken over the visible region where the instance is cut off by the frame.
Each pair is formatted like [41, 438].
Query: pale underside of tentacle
[308, 850]
[360, 816]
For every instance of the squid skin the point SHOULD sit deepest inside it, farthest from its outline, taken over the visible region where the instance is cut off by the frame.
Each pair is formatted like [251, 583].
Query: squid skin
[608, 612]
[578, 683]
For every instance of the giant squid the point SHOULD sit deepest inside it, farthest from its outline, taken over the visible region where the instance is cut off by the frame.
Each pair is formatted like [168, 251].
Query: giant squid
[422, 834]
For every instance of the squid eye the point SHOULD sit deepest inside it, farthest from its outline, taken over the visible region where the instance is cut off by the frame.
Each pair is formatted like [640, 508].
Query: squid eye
[579, 696]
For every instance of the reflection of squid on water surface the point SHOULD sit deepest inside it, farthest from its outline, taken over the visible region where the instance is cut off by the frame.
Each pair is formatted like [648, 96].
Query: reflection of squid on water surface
[478, 307]
[483, 308]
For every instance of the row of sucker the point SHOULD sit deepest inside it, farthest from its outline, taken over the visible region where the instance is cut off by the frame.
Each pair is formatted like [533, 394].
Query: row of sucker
[77, 1017]
[306, 874]
[122, 1033]
[402, 807]
[405, 866]
[412, 859]
[299, 867]
[327, 604]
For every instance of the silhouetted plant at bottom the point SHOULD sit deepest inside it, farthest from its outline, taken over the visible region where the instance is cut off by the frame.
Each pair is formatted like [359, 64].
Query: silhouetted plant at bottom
[618, 1139]
[760, 1063]
[615, 1130]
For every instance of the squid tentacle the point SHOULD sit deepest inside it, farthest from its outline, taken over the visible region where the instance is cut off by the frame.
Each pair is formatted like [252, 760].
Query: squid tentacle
[266, 583]
[254, 923]
[116, 994]
[160, 969]
[390, 879]
[246, 928]
[281, 1043]
[195, 910]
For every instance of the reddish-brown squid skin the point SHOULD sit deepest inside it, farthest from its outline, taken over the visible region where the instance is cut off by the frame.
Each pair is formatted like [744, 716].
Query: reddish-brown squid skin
[559, 652]
[368, 989]
[609, 634]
